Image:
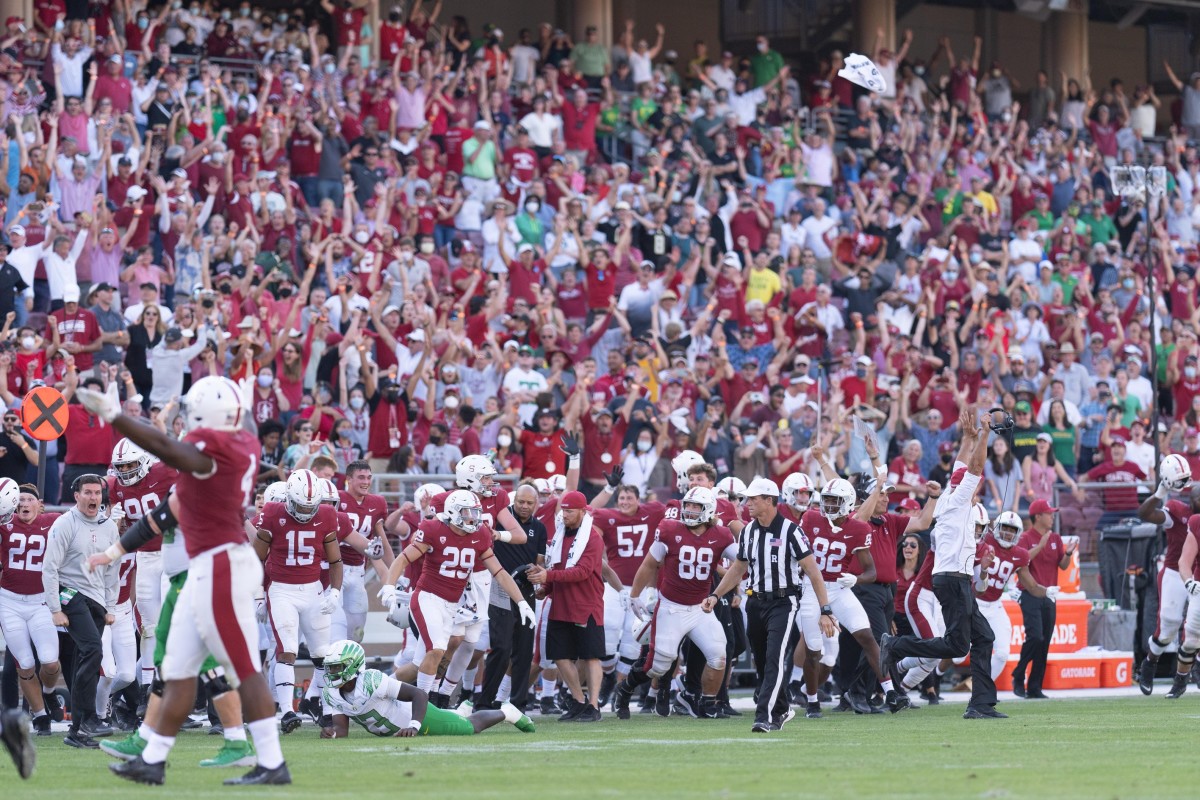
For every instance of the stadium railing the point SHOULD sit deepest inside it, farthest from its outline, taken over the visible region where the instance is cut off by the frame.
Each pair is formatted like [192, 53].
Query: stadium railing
[1103, 505]
[399, 488]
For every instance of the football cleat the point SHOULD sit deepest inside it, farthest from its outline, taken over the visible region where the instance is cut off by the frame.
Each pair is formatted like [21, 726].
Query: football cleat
[80, 740]
[15, 733]
[687, 704]
[95, 728]
[897, 701]
[139, 771]
[465, 709]
[708, 708]
[290, 722]
[589, 714]
[843, 704]
[729, 710]
[760, 727]
[885, 653]
[621, 697]
[574, 709]
[813, 711]
[439, 700]
[125, 749]
[1146, 672]
[518, 718]
[548, 707]
[787, 717]
[796, 694]
[861, 704]
[261, 776]
[662, 701]
[607, 684]
[41, 725]
[1178, 686]
[54, 706]
[216, 730]
[983, 712]
[233, 754]
[311, 708]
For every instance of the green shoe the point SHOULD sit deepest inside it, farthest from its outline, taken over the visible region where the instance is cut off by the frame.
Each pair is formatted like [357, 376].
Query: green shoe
[525, 725]
[126, 749]
[521, 721]
[233, 754]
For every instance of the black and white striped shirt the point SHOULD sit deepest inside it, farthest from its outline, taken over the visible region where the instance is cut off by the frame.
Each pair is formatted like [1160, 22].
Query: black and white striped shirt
[773, 553]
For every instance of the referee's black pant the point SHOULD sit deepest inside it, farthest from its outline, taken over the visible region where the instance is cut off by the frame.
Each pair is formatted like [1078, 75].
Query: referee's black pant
[967, 630]
[512, 643]
[853, 672]
[1039, 615]
[771, 628]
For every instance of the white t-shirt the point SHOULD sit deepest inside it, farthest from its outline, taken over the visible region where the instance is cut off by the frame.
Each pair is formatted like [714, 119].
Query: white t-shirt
[541, 128]
[816, 229]
[818, 162]
[640, 67]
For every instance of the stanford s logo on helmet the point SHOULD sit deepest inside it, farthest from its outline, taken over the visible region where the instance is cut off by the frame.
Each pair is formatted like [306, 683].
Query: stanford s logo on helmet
[130, 462]
[476, 474]
[463, 511]
[10, 498]
[698, 506]
[681, 464]
[303, 495]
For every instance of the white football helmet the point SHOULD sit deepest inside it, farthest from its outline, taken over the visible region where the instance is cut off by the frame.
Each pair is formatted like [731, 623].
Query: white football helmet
[837, 499]
[732, 489]
[130, 462]
[476, 474]
[463, 510]
[1007, 529]
[275, 492]
[329, 492]
[980, 519]
[423, 498]
[1175, 472]
[214, 402]
[793, 486]
[303, 495]
[10, 498]
[543, 488]
[681, 464]
[557, 484]
[698, 496]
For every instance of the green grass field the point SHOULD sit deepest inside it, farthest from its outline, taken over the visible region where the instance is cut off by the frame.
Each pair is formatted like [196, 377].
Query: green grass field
[1096, 749]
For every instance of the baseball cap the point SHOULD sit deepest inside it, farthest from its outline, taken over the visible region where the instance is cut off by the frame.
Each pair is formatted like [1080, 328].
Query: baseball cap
[761, 487]
[173, 335]
[1066, 347]
[1022, 407]
[573, 501]
[71, 293]
[946, 447]
[525, 350]
[390, 309]
[417, 335]
[1045, 437]
[1191, 433]
[483, 125]
[864, 361]
[16, 230]
[1041, 507]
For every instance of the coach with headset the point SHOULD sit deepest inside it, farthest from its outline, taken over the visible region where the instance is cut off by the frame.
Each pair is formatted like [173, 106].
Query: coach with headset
[773, 550]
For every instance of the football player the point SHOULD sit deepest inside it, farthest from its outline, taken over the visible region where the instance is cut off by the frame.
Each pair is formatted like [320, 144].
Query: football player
[384, 706]
[290, 534]
[24, 618]
[1173, 516]
[217, 461]
[1189, 565]
[367, 512]
[119, 657]
[682, 562]
[138, 484]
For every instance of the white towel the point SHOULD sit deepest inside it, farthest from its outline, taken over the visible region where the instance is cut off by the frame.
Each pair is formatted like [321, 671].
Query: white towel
[554, 553]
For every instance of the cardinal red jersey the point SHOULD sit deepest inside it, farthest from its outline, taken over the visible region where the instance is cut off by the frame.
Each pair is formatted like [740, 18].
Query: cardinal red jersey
[688, 559]
[1004, 566]
[22, 548]
[886, 531]
[297, 548]
[451, 558]
[490, 508]
[1178, 514]
[833, 549]
[141, 498]
[128, 566]
[345, 528]
[726, 512]
[627, 537]
[211, 507]
[364, 514]
[546, 513]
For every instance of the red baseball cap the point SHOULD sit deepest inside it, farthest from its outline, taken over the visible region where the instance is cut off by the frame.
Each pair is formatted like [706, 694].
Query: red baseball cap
[908, 504]
[1041, 507]
[573, 501]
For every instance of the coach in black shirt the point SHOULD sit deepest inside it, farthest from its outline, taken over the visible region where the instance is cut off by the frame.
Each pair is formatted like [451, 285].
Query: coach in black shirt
[774, 550]
[511, 641]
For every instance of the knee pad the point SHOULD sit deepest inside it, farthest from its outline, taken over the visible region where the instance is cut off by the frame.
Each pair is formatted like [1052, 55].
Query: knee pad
[1186, 656]
[215, 682]
[628, 662]
[156, 685]
[716, 663]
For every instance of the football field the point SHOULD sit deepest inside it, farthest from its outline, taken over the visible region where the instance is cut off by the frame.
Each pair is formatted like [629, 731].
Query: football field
[1130, 747]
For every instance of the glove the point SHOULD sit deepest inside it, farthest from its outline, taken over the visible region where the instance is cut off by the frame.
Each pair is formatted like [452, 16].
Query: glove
[1192, 586]
[1162, 491]
[614, 478]
[387, 596]
[375, 549]
[639, 608]
[624, 599]
[102, 404]
[528, 618]
[117, 514]
[847, 580]
[331, 600]
[260, 612]
[1052, 593]
[570, 445]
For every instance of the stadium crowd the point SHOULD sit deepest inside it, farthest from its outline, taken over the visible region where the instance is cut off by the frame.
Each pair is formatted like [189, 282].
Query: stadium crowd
[438, 239]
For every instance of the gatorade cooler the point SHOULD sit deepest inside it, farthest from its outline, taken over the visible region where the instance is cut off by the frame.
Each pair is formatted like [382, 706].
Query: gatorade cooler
[1116, 669]
[1079, 670]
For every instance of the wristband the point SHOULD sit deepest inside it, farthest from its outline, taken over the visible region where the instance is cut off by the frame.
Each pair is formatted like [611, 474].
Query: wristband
[505, 536]
[415, 724]
[115, 553]
[573, 462]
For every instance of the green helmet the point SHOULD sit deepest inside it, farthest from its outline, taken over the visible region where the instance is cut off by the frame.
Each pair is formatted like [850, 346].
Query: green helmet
[346, 660]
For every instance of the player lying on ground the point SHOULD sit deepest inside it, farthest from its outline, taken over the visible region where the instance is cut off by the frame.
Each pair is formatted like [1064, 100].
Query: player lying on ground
[387, 707]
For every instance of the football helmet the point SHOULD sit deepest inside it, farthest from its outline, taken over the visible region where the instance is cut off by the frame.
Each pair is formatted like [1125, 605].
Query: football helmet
[700, 496]
[345, 661]
[214, 402]
[476, 473]
[1007, 529]
[10, 498]
[275, 492]
[130, 462]
[732, 489]
[1175, 472]
[980, 519]
[543, 488]
[837, 499]
[423, 497]
[303, 495]
[557, 484]
[463, 510]
[681, 464]
[329, 492]
[793, 486]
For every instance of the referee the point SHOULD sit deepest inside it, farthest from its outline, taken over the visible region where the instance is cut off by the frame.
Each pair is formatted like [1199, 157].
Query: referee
[774, 550]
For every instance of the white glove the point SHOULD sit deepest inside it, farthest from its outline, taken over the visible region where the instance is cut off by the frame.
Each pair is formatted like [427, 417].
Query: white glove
[1193, 587]
[639, 608]
[1162, 491]
[625, 599]
[387, 596]
[1052, 593]
[331, 600]
[117, 514]
[260, 612]
[375, 549]
[528, 618]
[101, 404]
[847, 580]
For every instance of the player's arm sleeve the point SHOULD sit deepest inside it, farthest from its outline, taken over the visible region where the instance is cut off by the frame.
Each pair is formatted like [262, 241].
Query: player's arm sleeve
[144, 530]
[658, 551]
[730, 552]
[389, 688]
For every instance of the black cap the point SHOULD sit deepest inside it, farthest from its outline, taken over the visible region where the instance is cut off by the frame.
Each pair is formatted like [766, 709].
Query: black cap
[173, 335]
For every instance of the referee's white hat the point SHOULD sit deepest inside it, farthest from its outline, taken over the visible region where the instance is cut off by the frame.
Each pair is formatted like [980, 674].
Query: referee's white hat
[760, 487]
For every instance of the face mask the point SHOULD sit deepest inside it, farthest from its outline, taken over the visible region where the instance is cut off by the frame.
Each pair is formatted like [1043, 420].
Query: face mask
[504, 440]
[427, 247]
[245, 12]
[177, 5]
[450, 402]
[643, 446]
[751, 439]
[435, 440]
[976, 258]
[285, 291]
[194, 10]
[995, 73]
[362, 237]
[329, 68]
[1189, 371]
[762, 48]
[143, 23]
[227, 15]
[282, 18]
[265, 380]
[950, 277]
[357, 403]
[860, 372]
[406, 256]
[28, 342]
[1127, 283]
[532, 208]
